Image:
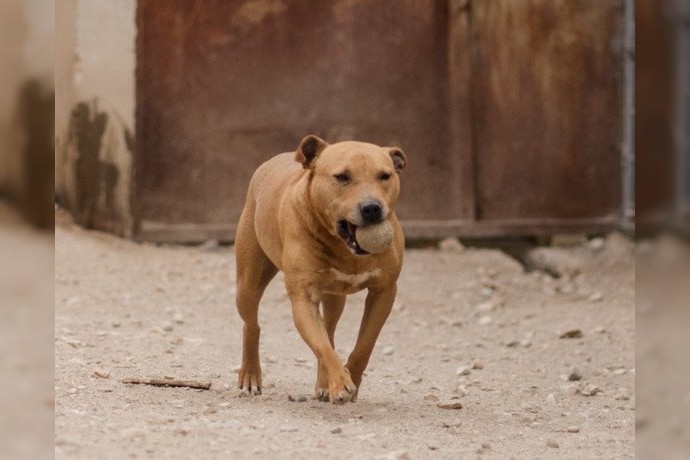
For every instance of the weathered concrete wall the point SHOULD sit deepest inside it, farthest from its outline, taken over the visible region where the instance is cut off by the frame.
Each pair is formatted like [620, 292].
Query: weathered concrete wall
[95, 80]
[26, 106]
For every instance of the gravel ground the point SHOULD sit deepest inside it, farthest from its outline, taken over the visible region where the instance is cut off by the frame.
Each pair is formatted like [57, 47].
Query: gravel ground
[470, 326]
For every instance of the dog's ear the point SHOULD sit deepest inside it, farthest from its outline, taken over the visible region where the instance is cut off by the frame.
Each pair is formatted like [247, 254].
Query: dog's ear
[309, 149]
[398, 157]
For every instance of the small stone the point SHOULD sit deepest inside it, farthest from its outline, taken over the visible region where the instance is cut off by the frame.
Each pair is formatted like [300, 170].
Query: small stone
[486, 445]
[526, 343]
[484, 320]
[398, 455]
[270, 359]
[454, 405]
[116, 324]
[101, 373]
[573, 429]
[301, 398]
[486, 293]
[210, 245]
[167, 327]
[451, 244]
[571, 334]
[477, 364]
[591, 390]
[551, 399]
[178, 318]
[551, 443]
[288, 429]
[620, 371]
[460, 390]
[388, 351]
[300, 360]
[575, 375]
[512, 344]
[596, 297]
[337, 430]
[463, 370]
[431, 398]
[596, 244]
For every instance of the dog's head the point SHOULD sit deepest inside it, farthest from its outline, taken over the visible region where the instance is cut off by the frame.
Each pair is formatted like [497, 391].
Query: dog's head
[352, 184]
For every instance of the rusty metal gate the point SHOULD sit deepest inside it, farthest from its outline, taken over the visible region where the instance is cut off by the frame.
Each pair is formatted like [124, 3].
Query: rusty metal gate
[509, 112]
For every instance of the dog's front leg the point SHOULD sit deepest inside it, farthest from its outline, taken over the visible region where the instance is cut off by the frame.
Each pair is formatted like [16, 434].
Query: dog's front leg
[312, 328]
[377, 307]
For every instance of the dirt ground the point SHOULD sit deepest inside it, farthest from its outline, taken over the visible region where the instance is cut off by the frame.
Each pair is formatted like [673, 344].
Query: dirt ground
[469, 326]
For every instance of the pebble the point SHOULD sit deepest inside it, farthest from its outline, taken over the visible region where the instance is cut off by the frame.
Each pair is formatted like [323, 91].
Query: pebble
[591, 390]
[298, 398]
[178, 318]
[551, 399]
[575, 375]
[526, 343]
[398, 455]
[477, 364]
[210, 245]
[337, 430]
[551, 443]
[460, 390]
[451, 244]
[486, 293]
[288, 429]
[571, 334]
[388, 351]
[167, 327]
[449, 405]
[513, 343]
[101, 373]
[484, 320]
[573, 429]
[596, 297]
[596, 244]
[463, 370]
[431, 398]
[116, 324]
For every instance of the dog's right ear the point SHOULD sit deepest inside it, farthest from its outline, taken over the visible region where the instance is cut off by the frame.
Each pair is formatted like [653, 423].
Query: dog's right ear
[309, 149]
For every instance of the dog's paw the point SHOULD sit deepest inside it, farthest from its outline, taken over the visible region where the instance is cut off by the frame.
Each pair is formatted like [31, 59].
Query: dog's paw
[340, 387]
[249, 381]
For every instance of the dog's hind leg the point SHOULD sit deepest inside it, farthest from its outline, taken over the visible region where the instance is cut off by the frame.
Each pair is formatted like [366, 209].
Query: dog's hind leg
[254, 272]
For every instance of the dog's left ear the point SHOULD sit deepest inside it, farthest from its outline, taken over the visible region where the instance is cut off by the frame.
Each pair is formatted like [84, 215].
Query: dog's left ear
[309, 149]
[398, 157]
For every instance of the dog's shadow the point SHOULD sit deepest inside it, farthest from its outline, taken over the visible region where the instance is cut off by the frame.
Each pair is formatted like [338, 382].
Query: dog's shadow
[369, 408]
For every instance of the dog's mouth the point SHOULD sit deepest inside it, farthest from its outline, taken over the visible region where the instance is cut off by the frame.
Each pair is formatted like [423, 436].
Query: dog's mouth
[346, 230]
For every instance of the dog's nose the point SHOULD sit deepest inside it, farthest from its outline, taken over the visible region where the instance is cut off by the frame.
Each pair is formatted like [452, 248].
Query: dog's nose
[371, 212]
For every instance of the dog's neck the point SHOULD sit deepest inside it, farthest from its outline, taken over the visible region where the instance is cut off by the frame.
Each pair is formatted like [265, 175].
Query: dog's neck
[314, 222]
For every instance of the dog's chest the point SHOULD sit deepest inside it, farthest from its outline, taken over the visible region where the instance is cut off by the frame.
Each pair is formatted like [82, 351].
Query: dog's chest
[340, 282]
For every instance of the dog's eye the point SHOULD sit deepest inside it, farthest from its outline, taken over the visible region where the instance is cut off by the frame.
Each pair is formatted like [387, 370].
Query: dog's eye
[343, 178]
[384, 176]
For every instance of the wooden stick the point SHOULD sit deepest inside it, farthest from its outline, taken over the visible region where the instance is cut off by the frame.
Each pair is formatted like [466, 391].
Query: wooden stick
[168, 382]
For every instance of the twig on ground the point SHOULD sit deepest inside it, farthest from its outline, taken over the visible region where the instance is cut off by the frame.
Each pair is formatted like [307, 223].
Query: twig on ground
[168, 382]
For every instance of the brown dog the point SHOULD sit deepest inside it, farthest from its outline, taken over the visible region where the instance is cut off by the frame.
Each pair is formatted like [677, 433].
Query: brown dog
[300, 217]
